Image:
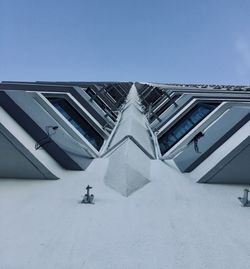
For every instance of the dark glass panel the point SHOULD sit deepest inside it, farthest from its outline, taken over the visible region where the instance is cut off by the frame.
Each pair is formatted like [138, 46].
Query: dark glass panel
[76, 119]
[152, 97]
[164, 107]
[182, 128]
[187, 123]
[116, 95]
[200, 113]
[101, 104]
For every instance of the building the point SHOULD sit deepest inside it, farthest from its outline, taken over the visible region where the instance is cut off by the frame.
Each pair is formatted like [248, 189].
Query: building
[143, 147]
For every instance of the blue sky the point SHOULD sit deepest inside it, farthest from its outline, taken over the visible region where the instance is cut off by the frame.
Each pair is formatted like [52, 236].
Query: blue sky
[182, 41]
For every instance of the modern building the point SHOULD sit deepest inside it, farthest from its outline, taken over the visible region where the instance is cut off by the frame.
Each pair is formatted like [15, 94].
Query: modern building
[146, 149]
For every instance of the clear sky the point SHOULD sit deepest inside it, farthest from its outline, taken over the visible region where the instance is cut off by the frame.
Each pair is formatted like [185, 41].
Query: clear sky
[182, 41]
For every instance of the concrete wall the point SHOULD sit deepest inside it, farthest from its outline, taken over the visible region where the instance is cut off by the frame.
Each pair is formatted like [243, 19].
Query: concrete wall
[234, 168]
[17, 162]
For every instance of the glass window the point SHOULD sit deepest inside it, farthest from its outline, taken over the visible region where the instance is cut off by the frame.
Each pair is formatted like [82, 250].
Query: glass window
[164, 107]
[101, 104]
[184, 125]
[152, 97]
[200, 113]
[77, 120]
[181, 129]
[115, 94]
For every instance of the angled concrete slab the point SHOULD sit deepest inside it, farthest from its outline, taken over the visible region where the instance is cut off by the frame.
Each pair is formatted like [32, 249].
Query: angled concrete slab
[129, 163]
[17, 161]
[128, 169]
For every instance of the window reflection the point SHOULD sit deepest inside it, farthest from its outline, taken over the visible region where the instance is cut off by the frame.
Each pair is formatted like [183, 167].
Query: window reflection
[163, 108]
[76, 119]
[181, 128]
[101, 104]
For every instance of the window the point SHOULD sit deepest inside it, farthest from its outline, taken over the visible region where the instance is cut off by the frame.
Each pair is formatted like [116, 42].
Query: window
[181, 128]
[115, 94]
[78, 121]
[101, 104]
[164, 107]
[153, 97]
